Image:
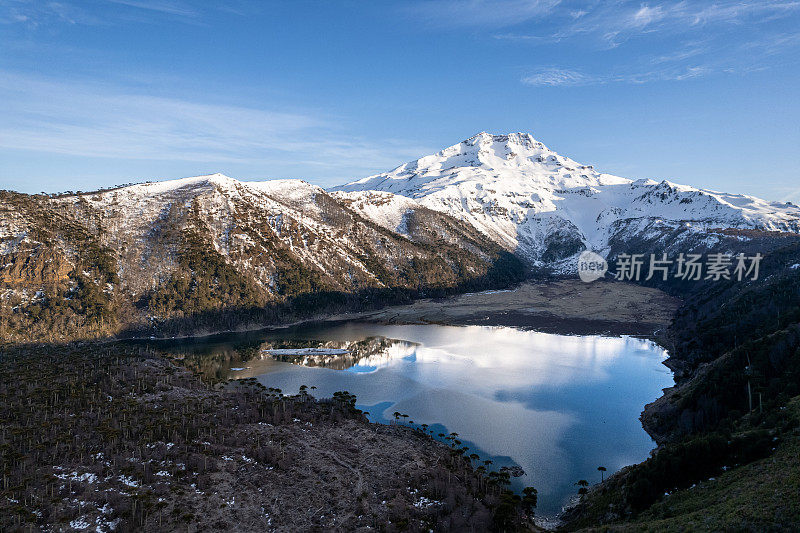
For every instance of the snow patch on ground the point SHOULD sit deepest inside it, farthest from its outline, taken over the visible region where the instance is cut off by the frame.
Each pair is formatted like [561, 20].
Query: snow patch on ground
[74, 476]
[382, 208]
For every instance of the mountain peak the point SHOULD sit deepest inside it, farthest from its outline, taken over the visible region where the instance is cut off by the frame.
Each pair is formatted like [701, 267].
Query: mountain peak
[519, 138]
[483, 159]
[527, 197]
[489, 150]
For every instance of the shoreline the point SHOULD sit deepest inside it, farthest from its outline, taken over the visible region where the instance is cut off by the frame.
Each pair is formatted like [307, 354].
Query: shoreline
[562, 307]
[566, 307]
[547, 307]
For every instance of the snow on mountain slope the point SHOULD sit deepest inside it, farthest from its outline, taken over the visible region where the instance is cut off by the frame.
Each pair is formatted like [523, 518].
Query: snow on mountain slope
[204, 253]
[385, 209]
[546, 207]
[240, 217]
[267, 229]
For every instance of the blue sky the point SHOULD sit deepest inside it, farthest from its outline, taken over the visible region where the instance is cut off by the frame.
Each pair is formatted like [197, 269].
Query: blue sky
[99, 92]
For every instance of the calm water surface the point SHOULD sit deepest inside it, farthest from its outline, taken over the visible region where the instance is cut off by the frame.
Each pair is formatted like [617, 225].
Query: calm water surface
[558, 406]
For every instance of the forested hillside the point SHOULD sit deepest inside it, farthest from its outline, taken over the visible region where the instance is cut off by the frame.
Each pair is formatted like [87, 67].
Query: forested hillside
[735, 346]
[211, 253]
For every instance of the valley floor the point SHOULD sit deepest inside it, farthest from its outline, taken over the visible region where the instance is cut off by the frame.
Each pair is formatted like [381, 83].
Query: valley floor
[563, 306]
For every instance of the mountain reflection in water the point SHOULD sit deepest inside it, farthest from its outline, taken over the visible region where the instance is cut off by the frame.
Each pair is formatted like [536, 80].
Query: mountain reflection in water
[358, 356]
[558, 406]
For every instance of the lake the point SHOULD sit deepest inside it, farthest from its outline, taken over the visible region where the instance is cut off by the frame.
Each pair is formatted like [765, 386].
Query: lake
[558, 406]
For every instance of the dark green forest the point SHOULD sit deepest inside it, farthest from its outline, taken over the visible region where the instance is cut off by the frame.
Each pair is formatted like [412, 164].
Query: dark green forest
[735, 349]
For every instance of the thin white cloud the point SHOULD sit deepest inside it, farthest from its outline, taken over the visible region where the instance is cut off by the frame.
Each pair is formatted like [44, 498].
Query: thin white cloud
[645, 16]
[669, 74]
[457, 14]
[516, 37]
[38, 13]
[554, 77]
[735, 12]
[101, 121]
[562, 77]
[686, 51]
[772, 44]
[611, 24]
[683, 40]
[161, 6]
[35, 13]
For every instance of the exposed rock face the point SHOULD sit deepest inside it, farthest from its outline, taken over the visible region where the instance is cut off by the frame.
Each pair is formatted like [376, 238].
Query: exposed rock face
[34, 268]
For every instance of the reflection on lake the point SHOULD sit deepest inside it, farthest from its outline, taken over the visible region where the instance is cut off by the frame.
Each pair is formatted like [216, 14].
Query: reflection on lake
[363, 355]
[558, 406]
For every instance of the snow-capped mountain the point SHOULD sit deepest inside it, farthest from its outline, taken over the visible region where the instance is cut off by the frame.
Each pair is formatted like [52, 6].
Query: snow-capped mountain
[546, 207]
[203, 252]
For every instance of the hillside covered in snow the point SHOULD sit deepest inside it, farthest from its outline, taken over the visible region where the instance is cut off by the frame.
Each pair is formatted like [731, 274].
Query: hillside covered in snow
[210, 252]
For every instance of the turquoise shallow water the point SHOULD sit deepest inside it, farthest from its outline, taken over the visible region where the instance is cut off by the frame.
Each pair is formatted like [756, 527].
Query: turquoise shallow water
[558, 406]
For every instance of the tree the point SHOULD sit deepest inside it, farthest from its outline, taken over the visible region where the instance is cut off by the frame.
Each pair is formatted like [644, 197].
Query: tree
[583, 490]
[602, 470]
[530, 498]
